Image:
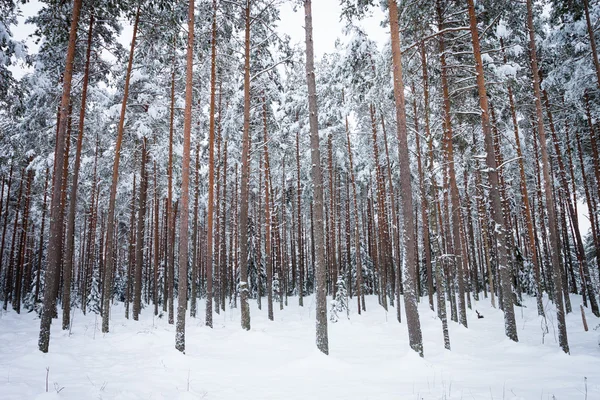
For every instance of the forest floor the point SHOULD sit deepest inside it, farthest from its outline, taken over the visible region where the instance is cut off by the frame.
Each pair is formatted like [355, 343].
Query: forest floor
[369, 357]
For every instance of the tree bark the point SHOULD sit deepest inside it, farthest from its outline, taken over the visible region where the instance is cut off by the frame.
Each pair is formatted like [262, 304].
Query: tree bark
[141, 224]
[320, 266]
[496, 204]
[70, 235]
[410, 296]
[211, 172]
[556, 273]
[185, 189]
[245, 176]
[56, 215]
[110, 228]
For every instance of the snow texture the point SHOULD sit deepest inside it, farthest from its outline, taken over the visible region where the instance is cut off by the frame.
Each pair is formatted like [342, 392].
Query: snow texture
[369, 357]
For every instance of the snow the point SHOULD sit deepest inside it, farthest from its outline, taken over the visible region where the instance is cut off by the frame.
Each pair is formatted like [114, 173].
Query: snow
[502, 31]
[487, 59]
[369, 357]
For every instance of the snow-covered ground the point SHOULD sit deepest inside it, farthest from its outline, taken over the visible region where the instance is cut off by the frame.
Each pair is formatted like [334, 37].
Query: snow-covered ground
[369, 358]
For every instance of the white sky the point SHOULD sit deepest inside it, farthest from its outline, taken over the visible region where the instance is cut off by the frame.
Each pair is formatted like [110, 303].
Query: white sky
[327, 27]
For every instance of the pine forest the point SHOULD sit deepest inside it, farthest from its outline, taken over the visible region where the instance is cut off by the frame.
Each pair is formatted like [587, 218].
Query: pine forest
[296, 199]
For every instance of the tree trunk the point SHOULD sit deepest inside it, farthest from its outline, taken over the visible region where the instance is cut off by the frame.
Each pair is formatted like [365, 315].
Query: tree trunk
[185, 189]
[195, 236]
[268, 219]
[525, 196]
[317, 177]
[244, 197]
[211, 172]
[6, 212]
[110, 228]
[141, 224]
[410, 296]
[41, 248]
[70, 235]
[586, 280]
[496, 204]
[56, 215]
[560, 315]
[454, 240]
[299, 227]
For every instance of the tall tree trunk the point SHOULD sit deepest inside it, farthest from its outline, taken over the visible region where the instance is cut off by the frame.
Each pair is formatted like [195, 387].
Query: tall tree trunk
[268, 218]
[586, 280]
[424, 203]
[357, 250]
[20, 273]
[141, 224]
[56, 215]
[132, 253]
[317, 178]
[6, 212]
[185, 189]
[429, 140]
[525, 195]
[410, 296]
[110, 228]
[195, 236]
[560, 315]
[299, 216]
[70, 235]
[170, 214]
[223, 241]
[211, 173]
[244, 197]
[41, 247]
[454, 240]
[156, 243]
[8, 276]
[496, 204]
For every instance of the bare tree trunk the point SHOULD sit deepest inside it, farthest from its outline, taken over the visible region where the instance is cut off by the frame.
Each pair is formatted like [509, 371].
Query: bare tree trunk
[317, 177]
[496, 204]
[299, 216]
[211, 173]
[170, 214]
[424, 203]
[268, 219]
[8, 277]
[194, 292]
[560, 315]
[132, 253]
[6, 212]
[110, 228]
[244, 198]
[41, 248]
[56, 215]
[410, 296]
[70, 235]
[141, 224]
[185, 189]
[525, 195]
[20, 273]
[156, 243]
[357, 250]
[223, 241]
[454, 240]
[567, 197]
[429, 139]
